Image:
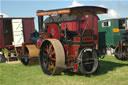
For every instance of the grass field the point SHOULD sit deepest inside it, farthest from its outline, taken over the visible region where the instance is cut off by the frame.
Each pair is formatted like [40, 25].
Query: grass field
[111, 72]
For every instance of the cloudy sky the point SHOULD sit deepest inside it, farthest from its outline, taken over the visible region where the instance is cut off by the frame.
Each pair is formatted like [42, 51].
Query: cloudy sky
[21, 8]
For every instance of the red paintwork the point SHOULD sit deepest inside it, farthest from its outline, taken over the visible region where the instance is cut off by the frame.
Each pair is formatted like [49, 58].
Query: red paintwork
[81, 23]
[75, 67]
[76, 39]
[39, 42]
[53, 30]
[29, 27]
[85, 39]
[44, 36]
[1, 35]
[76, 26]
[62, 34]
[9, 46]
[72, 51]
[71, 26]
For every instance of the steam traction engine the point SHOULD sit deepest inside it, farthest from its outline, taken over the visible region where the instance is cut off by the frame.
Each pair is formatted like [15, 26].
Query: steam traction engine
[67, 39]
[117, 45]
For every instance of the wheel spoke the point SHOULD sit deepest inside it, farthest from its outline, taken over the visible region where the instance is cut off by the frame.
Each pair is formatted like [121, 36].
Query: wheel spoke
[50, 47]
[47, 49]
[49, 68]
[53, 59]
[45, 54]
[53, 52]
[53, 65]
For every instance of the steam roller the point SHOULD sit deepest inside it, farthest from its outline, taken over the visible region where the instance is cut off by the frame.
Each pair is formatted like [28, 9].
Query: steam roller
[30, 55]
[65, 41]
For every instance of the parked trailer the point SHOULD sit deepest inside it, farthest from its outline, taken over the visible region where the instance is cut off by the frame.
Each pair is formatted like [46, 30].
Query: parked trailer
[113, 37]
[67, 40]
[13, 32]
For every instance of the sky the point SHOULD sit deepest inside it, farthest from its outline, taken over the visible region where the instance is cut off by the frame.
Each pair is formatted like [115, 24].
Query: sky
[28, 8]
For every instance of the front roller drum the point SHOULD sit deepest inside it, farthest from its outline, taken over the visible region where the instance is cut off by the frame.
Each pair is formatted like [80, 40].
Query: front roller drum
[28, 61]
[88, 61]
[52, 57]
[30, 52]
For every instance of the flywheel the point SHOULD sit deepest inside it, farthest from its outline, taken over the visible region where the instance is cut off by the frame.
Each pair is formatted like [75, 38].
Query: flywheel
[52, 57]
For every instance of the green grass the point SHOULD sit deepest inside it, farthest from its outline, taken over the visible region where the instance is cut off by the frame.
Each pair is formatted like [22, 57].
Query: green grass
[110, 72]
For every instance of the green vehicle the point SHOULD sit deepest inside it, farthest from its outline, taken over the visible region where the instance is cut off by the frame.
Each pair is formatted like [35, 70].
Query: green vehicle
[113, 37]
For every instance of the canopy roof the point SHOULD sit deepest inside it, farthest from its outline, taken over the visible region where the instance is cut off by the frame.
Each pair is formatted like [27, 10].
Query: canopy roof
[81, 10]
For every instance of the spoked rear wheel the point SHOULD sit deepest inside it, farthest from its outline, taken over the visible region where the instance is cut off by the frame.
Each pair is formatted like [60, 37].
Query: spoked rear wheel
[89, 61]
[52, 57]
[121, 52]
